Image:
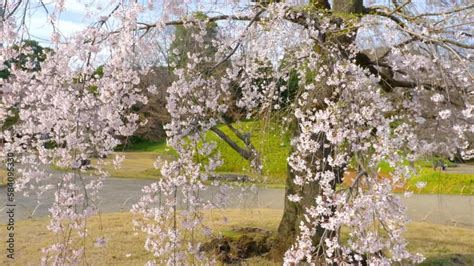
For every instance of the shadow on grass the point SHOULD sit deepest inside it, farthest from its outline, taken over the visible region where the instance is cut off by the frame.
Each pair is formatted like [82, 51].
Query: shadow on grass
[450, 259]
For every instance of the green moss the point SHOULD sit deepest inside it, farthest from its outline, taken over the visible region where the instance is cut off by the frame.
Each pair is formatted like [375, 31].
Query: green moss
[234, 235]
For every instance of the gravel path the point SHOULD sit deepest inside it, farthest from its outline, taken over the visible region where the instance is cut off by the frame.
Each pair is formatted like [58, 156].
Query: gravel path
[461, 169]
[119, 195]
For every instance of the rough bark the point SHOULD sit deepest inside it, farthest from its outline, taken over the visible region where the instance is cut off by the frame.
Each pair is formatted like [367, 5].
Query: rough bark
[293, 213]
[348, 6]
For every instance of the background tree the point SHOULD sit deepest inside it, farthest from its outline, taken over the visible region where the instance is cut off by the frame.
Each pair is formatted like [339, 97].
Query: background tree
[184, 42]
[29, 57]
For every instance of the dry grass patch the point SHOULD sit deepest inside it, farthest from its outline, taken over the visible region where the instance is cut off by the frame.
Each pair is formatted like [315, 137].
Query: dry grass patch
[125, 247]
[137, 165]
[3, 177]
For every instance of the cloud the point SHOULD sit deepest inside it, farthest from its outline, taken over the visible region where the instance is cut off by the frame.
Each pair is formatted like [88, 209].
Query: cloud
[41, 29]
[70, 21]
[73, 6]
[67, 27]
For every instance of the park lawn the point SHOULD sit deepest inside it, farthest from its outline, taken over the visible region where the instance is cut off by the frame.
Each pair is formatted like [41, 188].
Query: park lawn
[3, 177]
[136, 144]
[138, 165]
[266, 137]
[438, 243]
[274, 146]
[436, 182]
[439, 182]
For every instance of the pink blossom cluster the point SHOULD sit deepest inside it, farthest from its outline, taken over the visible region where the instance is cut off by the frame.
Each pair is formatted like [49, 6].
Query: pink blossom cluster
[353, 108]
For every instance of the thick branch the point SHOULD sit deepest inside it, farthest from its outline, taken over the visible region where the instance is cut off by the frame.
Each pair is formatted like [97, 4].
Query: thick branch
[387, 81]
[244, 137]
[147, 26]
[243, 152]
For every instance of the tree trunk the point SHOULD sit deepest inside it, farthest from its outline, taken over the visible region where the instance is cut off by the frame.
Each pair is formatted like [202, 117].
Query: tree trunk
[348, 6]
[293, 213]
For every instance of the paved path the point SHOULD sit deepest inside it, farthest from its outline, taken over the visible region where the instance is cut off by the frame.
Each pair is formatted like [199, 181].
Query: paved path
[461, 169]
[120, 194]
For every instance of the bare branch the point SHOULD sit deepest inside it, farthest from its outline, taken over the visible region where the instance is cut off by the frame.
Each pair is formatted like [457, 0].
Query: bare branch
[257, 17]
[452, 11]
[243, 152]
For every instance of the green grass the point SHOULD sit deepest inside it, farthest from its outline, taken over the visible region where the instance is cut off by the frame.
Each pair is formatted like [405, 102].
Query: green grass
[137, 144]
[430, 161]
[440, 182]
[274, 147]
[437, 181]
[268, 139]
[440, 244]
[139, 165]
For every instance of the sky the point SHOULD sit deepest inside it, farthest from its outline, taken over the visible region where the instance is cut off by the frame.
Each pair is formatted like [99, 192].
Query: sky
[74, 17]
[71, 20]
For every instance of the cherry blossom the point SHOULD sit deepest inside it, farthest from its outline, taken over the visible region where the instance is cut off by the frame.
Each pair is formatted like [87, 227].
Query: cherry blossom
[389, 87]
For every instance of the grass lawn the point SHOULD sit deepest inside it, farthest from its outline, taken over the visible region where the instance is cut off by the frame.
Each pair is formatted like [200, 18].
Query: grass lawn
[440, 244]
[266, 137]
[3, 177]
[135, 165]
[439, 182]
[274, 146]
[138, 165]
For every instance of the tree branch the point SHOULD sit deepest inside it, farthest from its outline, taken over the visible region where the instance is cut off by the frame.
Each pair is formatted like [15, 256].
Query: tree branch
[459, 9]
[239, 43]
[243, 152]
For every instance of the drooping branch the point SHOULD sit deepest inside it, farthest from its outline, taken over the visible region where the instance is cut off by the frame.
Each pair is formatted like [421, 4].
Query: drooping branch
[448, 12]
[403, 20]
